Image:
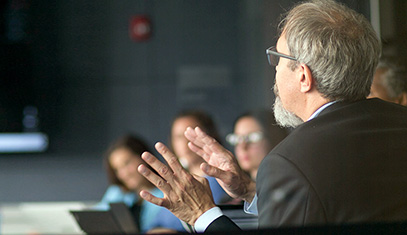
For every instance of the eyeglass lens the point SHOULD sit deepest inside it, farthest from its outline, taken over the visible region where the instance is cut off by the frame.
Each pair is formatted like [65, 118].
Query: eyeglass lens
[273, 59]
[254, 137]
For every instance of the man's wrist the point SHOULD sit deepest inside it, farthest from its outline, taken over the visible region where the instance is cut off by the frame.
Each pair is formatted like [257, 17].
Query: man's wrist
[251, 191]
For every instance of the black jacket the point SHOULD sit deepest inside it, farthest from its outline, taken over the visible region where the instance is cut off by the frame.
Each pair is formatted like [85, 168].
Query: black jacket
[348, 165]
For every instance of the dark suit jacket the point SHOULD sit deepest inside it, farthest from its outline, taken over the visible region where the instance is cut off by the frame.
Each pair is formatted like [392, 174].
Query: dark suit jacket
[348, 165]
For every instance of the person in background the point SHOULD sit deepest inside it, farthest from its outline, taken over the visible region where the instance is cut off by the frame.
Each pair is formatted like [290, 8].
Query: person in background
[121, 161]
[190, 160]
[255, 134]
[389, 83]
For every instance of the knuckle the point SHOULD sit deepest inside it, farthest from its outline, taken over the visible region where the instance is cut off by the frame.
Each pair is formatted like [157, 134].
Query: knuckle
[177, 199]
[147, 158]
[160, 183]
[146, 172]
[164, 170]
[160, 203]
[172, 160]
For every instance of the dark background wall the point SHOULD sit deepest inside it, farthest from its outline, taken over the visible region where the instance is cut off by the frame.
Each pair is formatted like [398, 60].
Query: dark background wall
[101, 84]
[93, 83]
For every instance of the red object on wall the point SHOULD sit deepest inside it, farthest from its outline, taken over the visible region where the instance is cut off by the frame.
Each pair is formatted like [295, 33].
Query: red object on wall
[140, 28]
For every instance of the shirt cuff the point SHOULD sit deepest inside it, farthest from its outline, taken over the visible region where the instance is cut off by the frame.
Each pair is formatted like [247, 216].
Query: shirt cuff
[252, 207]
[207, 218]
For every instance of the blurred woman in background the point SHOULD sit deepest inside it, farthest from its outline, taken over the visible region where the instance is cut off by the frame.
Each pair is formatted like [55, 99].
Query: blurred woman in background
[179, 144]
[255, 135]
[121, 162]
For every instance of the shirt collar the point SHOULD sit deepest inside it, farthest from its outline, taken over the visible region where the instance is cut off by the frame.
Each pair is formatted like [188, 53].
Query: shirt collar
[316, 113]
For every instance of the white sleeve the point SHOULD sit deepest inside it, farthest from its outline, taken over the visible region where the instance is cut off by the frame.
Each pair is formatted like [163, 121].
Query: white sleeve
[207, 218]
[252, 207]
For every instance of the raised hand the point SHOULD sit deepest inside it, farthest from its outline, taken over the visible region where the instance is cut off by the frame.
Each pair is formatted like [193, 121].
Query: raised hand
[185, 195]
[221, 164]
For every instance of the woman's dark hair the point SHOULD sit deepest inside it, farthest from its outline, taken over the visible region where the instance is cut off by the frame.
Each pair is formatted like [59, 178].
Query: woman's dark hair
[130, 142]
[272, 132]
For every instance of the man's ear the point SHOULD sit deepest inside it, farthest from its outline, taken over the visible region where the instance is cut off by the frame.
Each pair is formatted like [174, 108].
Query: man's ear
[306, 80]
[402, 99]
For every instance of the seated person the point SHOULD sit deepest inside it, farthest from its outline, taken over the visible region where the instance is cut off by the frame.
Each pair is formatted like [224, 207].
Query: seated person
[179, 144]
[255, 134]
[121, 162]
[389, 83]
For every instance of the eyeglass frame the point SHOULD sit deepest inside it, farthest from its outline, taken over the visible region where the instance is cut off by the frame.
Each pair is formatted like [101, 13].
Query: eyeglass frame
[245, 138]
[272, 51]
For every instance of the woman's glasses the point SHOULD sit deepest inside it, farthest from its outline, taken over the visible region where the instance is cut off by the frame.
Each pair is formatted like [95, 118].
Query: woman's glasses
[253, 137]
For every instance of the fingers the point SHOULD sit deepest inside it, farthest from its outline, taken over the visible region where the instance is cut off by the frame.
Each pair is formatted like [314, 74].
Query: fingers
[200, 142]
[158, 166]
[198, 151]
[209, 144]
[191, 135]
[154, 179]
[172, 174]
[171, 159]
[206, 139]
[213, 171]
[198, 137]
[153, 199]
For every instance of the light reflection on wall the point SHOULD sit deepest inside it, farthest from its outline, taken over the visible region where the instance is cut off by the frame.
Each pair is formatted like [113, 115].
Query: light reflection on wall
[23, 142]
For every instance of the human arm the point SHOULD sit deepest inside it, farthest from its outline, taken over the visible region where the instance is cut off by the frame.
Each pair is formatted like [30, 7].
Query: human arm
[221, 164]
[285, 196]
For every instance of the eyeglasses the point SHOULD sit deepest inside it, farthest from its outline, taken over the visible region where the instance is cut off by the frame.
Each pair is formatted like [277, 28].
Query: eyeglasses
[253, 137]
[274, 57]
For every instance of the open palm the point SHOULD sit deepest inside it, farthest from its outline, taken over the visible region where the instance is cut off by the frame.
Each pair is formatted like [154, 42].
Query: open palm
[221, 164]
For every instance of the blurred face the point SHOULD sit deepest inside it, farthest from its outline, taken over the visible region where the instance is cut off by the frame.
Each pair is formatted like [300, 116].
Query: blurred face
[180, 143]
[249, 154]
[378, 90]
[125, 164]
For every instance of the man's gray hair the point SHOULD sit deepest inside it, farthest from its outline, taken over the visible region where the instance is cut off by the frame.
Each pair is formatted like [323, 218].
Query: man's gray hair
[338, 44]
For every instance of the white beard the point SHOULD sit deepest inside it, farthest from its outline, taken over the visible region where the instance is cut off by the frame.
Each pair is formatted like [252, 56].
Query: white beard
[283, 117]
